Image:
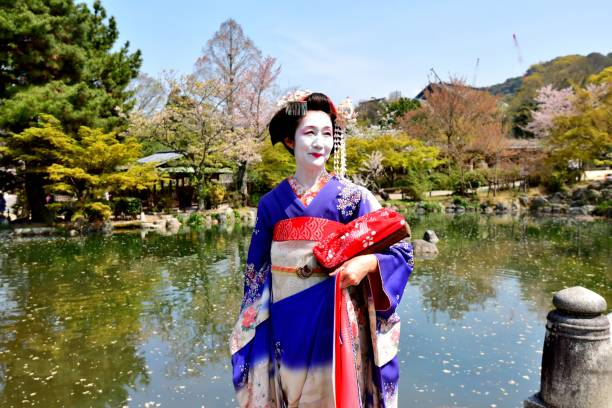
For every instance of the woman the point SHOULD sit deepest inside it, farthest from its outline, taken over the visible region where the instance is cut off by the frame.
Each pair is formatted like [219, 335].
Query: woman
[283, 343]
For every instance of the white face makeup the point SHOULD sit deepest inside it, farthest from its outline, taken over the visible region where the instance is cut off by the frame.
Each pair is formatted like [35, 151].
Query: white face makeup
[313, 141]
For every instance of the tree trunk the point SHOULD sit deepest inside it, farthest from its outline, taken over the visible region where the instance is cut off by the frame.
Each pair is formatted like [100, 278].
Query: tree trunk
[35, 193]
[462, 188]
[241, 181]
[201, 184]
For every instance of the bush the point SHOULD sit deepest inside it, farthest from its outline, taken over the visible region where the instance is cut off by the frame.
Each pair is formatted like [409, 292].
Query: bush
[413, 184]
[164, 203]
[440, 181]
[471, 180]
[97, 211]
[195, 220]
[432, 206]
[127, 205]
[212, 194]
[254, 199]
[217, 193]
[234, 199]
[461, 201]
[555, 182]
[604, 208]
[475, 179]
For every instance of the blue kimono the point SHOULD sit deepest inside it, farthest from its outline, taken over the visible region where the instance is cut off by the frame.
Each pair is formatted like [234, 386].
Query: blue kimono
[282, 344]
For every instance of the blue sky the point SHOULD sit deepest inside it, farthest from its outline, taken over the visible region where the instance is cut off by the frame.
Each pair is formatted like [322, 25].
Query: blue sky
[365, 49]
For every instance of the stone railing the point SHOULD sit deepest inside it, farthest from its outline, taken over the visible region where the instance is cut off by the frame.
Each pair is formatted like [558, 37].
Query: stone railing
[577, 357]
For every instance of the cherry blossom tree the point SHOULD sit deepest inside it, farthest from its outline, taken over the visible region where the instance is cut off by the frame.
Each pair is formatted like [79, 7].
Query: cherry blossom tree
[248, 80]
[551, 103]
[191, 123]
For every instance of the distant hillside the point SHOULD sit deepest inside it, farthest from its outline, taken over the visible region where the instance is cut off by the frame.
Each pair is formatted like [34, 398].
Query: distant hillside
[560, 72]
[509, 87]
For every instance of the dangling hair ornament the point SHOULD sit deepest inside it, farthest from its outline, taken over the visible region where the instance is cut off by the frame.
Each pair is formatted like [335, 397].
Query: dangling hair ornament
[346, 118]
[294, 102]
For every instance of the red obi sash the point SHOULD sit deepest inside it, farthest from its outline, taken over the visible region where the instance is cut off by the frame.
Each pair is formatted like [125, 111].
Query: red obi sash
[304, 228]
[339, 242]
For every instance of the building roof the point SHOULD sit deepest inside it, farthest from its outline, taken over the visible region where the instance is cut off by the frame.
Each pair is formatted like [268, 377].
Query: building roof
[527, 144]
[160, 158]
[431, 87]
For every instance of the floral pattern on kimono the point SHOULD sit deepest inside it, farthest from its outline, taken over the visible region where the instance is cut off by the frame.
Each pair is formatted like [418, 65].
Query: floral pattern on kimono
[374, 322]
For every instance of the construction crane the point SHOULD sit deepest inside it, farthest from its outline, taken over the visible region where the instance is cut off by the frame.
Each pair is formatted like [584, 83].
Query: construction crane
[433, 71]
[518, 48]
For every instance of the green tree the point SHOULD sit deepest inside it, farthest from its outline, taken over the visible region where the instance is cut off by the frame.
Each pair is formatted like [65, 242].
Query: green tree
[584, 137]
[57, 58]
[395, 110]
[402, 157]
[276, 164]
[85, 167]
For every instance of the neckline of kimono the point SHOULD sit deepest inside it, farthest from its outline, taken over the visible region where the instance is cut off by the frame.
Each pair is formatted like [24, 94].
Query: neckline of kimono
[316, 196]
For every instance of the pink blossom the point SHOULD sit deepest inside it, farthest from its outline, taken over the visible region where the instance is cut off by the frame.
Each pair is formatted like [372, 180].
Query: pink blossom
[552, 103]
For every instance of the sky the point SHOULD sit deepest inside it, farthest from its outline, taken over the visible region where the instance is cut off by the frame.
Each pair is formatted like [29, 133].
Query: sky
[366, 49]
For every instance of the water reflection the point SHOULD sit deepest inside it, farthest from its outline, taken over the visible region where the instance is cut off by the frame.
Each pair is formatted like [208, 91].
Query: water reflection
[76, 313]
[544, 255]
[130, 319]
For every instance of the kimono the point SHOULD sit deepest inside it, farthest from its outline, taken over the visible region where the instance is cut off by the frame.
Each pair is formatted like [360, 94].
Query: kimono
[285, 344]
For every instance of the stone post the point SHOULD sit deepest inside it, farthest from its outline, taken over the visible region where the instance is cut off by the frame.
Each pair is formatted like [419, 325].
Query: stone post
[577, 357]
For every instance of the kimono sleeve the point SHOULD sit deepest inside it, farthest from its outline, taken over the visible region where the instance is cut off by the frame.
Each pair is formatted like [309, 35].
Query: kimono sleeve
[395, 265]
[250, 336]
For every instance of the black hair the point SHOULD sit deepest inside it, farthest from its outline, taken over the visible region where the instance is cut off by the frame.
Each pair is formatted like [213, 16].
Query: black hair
[284, 125]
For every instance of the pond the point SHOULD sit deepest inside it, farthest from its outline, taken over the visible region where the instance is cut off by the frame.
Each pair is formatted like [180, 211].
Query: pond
[133, 320]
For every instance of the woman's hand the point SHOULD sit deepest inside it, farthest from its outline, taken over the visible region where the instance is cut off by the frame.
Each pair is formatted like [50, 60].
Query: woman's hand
[355, 269]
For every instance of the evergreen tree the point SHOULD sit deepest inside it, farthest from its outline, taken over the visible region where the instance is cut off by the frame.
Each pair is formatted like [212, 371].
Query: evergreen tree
[56, 58]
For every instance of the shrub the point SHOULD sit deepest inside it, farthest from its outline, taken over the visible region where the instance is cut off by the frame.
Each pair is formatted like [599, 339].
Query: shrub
[475, 179]
[212, 194]
[217, 192]
[432, 206]
[414, 185]
[254, 199]
[195, 220]
[471, 180]
[461, 201]
[97, 211]
[127, 205]
[164, 203]
[555, 182]
[440, 181]
[604, 208]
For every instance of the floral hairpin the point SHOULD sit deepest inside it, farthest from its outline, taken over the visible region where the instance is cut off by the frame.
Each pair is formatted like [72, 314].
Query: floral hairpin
[346, 117]
[294, 102]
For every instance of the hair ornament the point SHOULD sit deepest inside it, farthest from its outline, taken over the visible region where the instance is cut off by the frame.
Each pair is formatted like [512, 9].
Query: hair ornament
[346, 117]
[294, 102]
